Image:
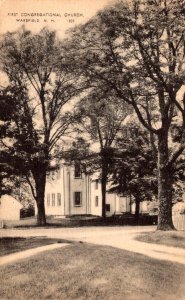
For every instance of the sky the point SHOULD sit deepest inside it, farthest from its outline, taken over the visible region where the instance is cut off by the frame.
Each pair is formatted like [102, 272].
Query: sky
[56, 14]
[59, 15]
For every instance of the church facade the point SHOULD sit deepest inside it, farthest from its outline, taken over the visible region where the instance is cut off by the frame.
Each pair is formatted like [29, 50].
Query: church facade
[69, 192]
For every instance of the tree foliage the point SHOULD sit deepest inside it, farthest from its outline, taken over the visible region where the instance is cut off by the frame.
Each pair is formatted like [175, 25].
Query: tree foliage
[136, 49]
[135, 166]
[8, 174]
[101, 122]
[41, 84]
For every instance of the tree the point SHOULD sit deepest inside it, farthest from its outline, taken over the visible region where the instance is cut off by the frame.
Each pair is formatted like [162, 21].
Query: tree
[137, 49]
[8, 175]
[134, 167]
[41, 84]
[102, 117]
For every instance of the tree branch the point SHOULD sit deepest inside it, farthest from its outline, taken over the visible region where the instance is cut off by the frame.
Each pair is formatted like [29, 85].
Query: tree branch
[31, 186]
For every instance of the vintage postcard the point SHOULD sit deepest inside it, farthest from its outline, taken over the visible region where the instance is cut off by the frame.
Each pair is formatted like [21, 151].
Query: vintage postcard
[92, 149]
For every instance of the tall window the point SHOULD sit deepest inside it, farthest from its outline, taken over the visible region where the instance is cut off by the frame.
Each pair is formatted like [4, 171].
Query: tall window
[96, 201]
[96, 184]
[107, 207]
[77, 172]
[59, 199]
[53, 199]
[77, 199]
[48, 199]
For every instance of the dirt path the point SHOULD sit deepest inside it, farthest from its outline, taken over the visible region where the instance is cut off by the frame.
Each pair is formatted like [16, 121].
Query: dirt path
[119, 237]
[156, 251]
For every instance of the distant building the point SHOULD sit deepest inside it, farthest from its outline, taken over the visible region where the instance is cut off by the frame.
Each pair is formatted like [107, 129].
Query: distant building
[69, 191]
[9, 208]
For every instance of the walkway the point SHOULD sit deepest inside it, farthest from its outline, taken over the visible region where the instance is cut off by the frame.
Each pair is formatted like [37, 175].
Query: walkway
[156, 251]
[119, 237]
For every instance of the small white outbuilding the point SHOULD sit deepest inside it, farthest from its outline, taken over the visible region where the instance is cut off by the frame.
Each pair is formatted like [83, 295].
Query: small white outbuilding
[9, 208]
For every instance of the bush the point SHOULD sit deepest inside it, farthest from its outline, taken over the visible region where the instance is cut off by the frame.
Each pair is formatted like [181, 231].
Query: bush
[27, 212]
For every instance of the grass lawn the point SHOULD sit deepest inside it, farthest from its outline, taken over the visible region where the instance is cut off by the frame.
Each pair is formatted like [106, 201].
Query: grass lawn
[89, 272]
[168, 238]
[10, 245]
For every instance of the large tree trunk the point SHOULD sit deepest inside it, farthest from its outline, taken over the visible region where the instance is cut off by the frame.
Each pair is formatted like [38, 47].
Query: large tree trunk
[164, 186]
[41, 218]
[103, 189]
[104, 186]
[137, 210]
[40, 181]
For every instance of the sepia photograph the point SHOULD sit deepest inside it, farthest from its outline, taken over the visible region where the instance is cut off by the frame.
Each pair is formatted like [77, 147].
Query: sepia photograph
[92, 149]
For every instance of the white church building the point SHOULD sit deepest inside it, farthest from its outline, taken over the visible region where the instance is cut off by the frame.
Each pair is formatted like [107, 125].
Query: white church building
[69, 192]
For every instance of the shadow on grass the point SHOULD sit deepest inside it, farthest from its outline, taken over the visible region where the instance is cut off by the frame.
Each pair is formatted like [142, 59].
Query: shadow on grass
[80, 221]
[9, 245]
